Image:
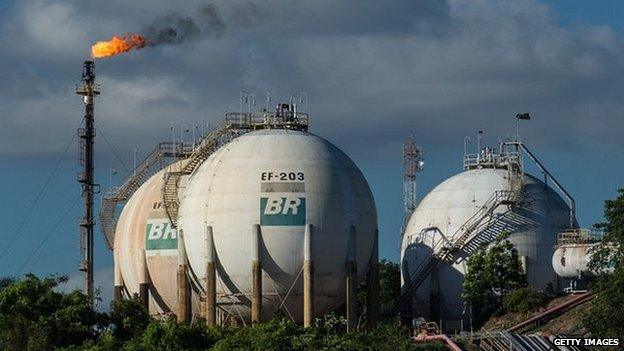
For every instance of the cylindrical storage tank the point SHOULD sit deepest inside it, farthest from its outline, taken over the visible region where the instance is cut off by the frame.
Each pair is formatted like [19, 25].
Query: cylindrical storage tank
[144, 226]
[571, 260]
[281, 180]
[533, 224]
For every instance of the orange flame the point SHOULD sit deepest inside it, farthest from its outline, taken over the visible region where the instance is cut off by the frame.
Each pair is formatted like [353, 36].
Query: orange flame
[118, 45]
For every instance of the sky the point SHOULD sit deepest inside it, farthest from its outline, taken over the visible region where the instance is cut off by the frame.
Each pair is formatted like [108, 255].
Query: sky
[375, 73]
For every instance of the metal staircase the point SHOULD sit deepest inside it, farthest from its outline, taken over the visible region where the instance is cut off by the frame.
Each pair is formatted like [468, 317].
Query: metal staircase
[447, 250]
[231, 126]
[163, 154]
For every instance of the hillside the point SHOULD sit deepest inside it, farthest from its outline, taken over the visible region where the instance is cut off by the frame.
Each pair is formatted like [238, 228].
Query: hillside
[569, 322]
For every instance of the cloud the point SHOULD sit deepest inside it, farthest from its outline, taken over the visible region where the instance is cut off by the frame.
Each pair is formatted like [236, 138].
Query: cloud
[440, 68]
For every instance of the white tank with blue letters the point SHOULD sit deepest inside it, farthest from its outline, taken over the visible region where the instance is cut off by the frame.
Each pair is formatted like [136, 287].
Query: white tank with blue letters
[282, 180]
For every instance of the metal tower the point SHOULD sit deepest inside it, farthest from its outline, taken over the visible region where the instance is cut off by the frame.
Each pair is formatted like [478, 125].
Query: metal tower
[86, 135]
[412, 164]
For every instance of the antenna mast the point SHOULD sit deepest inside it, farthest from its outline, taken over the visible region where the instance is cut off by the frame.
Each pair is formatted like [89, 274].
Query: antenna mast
[86, 135]
[412, 164]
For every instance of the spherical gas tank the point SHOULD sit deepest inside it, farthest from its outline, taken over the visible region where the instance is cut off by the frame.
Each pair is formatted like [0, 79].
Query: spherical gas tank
[281, 180]
[445, 213]
[143, 236]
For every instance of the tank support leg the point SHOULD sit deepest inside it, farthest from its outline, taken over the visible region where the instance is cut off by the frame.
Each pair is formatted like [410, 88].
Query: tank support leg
[144, 283]
[351, 283]
[256, 276]
[372, 300]
[184, 293]
[118, 288]
[211, 280]
[308, 278]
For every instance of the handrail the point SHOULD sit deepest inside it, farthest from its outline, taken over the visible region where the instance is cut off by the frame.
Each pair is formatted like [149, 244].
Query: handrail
[446, 249]
[119, 194]
[549, 175]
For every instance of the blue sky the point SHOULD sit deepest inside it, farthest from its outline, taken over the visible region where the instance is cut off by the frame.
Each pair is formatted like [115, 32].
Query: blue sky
[437, 69]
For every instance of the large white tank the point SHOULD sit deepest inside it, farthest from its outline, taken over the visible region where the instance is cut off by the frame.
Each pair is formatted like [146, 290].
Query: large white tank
[282, 180]
[143, 226]
[533, 226]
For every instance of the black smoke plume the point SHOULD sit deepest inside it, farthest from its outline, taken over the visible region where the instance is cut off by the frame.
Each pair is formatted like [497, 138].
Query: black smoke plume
[175, 28]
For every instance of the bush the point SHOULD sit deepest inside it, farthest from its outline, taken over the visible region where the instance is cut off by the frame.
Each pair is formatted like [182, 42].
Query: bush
[524, 300]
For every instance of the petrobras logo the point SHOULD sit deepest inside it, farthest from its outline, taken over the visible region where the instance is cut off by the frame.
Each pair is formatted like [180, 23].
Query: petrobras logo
[282, 210]
[160, 235]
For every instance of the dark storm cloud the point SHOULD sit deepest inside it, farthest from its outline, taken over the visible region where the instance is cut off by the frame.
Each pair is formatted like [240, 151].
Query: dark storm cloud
[439, 68]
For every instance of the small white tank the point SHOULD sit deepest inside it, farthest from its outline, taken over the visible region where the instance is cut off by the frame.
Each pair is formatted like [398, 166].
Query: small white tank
[282, 180]
[571, 260]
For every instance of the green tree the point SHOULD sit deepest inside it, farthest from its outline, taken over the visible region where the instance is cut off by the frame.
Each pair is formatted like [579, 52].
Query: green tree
[389, 285]
[492, 271]
[129, 319]
[524, 300]
[33, 316]
[605, 317]
[389, 289]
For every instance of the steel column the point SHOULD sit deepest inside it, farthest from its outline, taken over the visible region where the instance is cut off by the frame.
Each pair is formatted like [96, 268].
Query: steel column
[184, 293]
[256, 276]
[351, 282]
[211, 280]
[308, 278]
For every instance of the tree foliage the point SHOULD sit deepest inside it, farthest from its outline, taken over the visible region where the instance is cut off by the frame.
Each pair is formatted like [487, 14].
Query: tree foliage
[605, 317]
[33, 316]
[492, 272]
[524, 300]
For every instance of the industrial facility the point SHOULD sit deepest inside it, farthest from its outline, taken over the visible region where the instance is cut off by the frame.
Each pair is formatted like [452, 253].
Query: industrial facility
[259, 216]
[492, 195]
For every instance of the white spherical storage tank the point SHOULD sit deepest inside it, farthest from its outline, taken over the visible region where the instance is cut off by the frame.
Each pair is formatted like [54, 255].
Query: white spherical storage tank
[145, 247]
[282, 180]
[532, 221]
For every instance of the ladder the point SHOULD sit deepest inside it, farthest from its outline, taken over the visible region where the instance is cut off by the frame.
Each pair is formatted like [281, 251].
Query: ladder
[230, 127]
[447, 250]
[220, 135]
[163, 154]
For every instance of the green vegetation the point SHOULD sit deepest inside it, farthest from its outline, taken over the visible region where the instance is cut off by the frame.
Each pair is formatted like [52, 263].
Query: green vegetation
[33, 316]
[389, 290]
[493, 271]
[524, 300]
[605, 317]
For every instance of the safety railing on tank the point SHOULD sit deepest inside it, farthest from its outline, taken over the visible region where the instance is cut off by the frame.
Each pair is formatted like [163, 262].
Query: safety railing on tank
[252, 120]
[580, 236]
[511, 159]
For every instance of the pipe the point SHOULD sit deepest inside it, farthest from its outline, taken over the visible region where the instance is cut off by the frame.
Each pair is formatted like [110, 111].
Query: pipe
[184, 293]
[439, 337]
[373, 286]
[351, 282]
[144, 282]
[256, 276]
[560, 308]
[211, 280]
[308, 278]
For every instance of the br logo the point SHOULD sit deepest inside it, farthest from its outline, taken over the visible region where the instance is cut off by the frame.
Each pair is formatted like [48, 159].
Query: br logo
[282, 210]
[160, 235]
